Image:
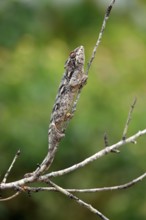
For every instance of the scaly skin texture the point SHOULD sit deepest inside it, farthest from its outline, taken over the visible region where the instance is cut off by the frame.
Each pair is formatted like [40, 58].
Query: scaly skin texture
[65, 105]
[72, 82]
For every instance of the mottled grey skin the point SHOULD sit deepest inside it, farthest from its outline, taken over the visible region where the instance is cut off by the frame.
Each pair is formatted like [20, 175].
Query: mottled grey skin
[73, 80]
[65, 105]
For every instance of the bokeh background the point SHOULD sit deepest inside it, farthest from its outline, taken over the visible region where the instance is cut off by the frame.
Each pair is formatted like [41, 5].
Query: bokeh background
[35, 40]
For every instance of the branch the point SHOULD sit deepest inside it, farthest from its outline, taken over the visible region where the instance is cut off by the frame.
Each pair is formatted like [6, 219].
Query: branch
[43, 178]
[10, 167]
[128, 119]
[92, 190]
[94, 157]
[79, 201]
[10, 197]
[107, 13]
[119, 187]
[106, 144]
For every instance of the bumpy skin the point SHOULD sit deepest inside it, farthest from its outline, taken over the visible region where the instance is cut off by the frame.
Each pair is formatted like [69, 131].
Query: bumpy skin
[73, 80]
[65, 104]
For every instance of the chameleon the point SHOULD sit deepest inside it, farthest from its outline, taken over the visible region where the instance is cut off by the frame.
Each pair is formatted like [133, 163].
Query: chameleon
[72, 82]
[64, 107]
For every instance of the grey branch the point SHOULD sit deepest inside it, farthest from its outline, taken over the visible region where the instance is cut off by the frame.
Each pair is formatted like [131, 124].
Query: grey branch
[79, 201]
[10, 167]
[92, 190]
[96, 156]
[100, 35]
[10, 197]
[129, 119]
[22, 182]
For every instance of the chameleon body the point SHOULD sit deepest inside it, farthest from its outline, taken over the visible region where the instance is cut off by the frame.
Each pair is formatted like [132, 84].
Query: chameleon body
[65, 103]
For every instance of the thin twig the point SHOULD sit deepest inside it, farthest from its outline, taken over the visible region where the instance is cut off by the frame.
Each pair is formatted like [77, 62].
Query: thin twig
[129, 119]
[100, 35]
[10, 197]
[10, 167]
[106, 144]
[79, 201]
[119, 187]
[92, 190]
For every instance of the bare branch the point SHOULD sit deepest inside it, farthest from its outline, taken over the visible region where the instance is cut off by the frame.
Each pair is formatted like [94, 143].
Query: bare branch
[100, 35]
[94, 157]
[106, 140]
[119, 187]
[43, 178]
[11, 166]
[129, 119]
[107, 144]
[45, 163]
[10, 197]
[92, 190]
[79, 201]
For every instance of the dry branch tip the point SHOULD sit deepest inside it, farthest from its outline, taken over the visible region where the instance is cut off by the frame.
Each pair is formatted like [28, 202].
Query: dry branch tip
[129, 118]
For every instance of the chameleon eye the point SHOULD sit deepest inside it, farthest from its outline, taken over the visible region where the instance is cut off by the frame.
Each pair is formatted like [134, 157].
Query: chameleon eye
[72, 54]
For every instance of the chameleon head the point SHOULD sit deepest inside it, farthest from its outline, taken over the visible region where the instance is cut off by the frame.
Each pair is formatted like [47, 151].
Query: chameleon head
[76, 58]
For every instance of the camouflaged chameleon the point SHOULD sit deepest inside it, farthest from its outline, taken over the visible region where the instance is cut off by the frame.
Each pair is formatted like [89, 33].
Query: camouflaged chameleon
[65, 103]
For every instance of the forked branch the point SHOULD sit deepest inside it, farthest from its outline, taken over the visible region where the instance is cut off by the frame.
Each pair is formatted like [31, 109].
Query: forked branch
[67, 97]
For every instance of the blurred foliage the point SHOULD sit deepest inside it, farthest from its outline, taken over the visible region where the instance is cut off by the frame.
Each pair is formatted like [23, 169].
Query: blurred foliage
[36, 38]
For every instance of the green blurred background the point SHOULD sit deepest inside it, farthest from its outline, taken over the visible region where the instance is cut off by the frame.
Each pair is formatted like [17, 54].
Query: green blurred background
[35, 40]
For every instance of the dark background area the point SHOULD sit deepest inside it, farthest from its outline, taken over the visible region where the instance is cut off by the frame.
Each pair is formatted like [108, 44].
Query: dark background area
[35, 40]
